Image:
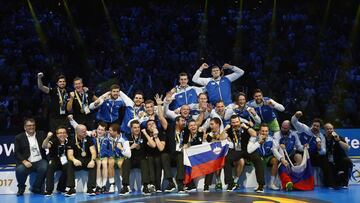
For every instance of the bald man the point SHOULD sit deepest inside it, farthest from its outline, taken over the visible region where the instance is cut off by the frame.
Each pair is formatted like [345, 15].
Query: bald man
[336, 152]
[288, 141]
[81, 154]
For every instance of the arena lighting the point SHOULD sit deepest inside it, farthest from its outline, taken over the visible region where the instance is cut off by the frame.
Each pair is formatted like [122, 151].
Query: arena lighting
[355, 28]
[38, 28]
[113, 30]
[238, 42]
[77, 35]
[325, 17]
[203, 31]
[272, 33]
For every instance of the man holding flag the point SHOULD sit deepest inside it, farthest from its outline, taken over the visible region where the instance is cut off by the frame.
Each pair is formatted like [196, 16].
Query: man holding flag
[207, 158]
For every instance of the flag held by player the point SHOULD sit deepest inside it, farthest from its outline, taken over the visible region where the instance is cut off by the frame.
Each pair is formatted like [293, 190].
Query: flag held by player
[204, 159]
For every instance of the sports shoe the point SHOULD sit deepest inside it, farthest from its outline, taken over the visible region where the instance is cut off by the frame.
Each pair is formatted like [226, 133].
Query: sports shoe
[289, 186]
[20, 191]
[231, 186]
[274, 187]
[70, 192]
[91, 192]
[259, 189]
[170, 187]
[191, 188]
[112, 188]
[158, 189]
[98, 190]
[181, 188]
[218, 186]
[151, 188]
[206, 188]
[48, 193]
[145, 190]
[104, 190]
[125, 190]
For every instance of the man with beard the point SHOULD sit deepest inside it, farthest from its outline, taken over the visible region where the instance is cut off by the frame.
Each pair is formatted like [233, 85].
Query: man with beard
[134, 110]
[173, 155]
[109, 106]
[58, 100]
[58, 160]
[218, 87]
[265, 107]
[79, 102]
[238, 133]
[244, 111]
[336, 152]
[317, 146]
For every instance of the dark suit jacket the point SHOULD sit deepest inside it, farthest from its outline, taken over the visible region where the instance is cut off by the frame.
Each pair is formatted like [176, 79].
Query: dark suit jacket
[22, 148]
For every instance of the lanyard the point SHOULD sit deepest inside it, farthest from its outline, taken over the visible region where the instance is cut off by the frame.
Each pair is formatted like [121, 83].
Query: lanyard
[115, 141]
[61, 97]
[236, 136]
[82, 101]
[99, 142]
[179, 137]
[83, 144]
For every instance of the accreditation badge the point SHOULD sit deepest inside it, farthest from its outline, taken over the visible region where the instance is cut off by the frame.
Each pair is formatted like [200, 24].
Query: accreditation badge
[63, 160]
[86, 109]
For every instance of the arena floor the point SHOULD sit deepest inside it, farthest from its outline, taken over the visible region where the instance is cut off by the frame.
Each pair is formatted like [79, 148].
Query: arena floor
[242, 196]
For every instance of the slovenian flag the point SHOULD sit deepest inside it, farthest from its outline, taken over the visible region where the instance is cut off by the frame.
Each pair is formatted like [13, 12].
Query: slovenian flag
[301, 176]
[204, 159]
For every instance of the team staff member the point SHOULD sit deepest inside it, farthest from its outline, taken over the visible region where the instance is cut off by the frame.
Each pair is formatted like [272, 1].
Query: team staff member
[58, 160]
[30, 157]
[81, 154]
[336, 152]
[236, 154]
[79, 102]
[58, 101]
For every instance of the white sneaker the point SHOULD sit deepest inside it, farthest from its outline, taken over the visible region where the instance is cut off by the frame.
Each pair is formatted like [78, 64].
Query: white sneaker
[112, 188]
[274, 187]
[151, 188]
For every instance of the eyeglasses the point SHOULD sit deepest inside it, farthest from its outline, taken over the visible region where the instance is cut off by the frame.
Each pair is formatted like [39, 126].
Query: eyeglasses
[29, 125]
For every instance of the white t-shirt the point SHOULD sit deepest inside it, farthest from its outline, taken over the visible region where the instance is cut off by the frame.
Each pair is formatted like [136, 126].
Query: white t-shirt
[35, 154]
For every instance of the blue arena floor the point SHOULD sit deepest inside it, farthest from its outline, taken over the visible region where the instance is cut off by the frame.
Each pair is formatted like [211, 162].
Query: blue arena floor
[245, 195]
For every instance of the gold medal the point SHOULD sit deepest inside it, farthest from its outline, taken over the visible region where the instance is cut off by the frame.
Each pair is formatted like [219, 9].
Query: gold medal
[83, 154]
